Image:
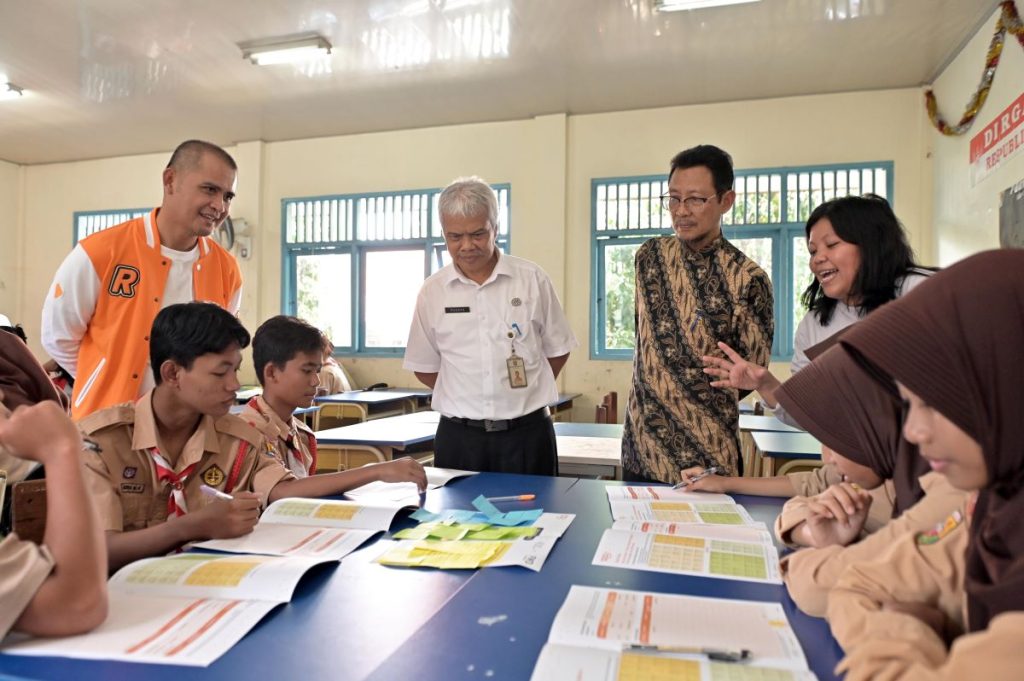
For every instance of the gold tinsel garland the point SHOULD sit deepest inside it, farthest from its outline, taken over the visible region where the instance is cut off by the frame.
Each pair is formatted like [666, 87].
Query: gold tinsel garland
[1009, 20]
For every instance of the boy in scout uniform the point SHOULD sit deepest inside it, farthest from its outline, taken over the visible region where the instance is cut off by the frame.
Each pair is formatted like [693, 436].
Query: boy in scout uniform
[158, 454]
[59, 588]
[288, 354]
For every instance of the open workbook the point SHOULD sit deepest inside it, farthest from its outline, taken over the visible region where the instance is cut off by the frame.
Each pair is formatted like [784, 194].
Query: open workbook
[618, 635]
[321, 528]
[185, 609]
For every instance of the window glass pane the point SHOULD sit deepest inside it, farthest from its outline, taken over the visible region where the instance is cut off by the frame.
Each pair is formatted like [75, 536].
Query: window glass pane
[393, 278]
[801, 277]
[759, 249]
[619, 300]
[324, 294]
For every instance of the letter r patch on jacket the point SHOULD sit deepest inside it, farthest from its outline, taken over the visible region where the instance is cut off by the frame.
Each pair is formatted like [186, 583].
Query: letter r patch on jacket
[123, 281]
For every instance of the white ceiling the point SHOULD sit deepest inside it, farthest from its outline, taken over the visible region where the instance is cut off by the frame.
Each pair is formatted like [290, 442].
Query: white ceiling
[117, 77]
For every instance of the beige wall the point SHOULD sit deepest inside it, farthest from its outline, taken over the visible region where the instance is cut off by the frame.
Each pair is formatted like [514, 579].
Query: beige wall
[549, 162]
[10, 244]
[966, 217]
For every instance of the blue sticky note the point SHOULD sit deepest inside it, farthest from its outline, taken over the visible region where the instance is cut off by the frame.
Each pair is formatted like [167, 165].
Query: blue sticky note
[487, 508]
[496, 517]
[423, 515]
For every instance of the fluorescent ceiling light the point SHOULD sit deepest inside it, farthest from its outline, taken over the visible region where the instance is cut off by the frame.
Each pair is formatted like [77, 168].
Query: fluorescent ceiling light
[290, 49]
[679, 5]
[10, 91]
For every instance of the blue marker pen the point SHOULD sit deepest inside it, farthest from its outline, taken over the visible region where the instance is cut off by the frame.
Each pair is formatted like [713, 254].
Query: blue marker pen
[518, 331]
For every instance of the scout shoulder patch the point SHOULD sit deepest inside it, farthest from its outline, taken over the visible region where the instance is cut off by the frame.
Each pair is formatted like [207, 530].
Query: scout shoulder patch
[104, 418]
[935, 534]
[213, 476]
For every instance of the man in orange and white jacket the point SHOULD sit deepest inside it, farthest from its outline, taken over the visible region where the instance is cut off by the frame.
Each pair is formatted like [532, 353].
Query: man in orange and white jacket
[107, 292]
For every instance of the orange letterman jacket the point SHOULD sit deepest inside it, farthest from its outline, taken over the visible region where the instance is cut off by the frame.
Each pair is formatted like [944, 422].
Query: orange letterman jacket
[132, 275]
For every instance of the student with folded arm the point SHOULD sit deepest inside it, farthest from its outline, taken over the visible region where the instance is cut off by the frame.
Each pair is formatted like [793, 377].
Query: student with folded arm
[60, 587]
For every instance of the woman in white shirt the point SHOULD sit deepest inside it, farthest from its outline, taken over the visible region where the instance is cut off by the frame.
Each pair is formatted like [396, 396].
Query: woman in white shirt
[861, 259]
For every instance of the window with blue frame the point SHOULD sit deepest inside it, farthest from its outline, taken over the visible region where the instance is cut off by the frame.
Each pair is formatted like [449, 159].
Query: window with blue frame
[767, 223]
[86, 222]
[352, 264]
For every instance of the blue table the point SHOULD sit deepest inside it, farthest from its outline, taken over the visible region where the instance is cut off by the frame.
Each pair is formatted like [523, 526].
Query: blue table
[778, 446]
[360, 620]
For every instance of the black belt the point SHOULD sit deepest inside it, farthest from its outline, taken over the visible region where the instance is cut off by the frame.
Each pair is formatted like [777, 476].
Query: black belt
[492, 426]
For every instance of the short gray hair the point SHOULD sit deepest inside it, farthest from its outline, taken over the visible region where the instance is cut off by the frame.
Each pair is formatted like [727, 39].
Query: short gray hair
[469, 197]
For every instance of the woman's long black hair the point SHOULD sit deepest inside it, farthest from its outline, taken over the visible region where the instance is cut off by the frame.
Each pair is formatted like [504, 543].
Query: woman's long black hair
[885, 254]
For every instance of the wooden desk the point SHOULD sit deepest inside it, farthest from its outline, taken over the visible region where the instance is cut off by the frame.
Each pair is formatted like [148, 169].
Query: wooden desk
[373, 441]
[561, 409]
[770, 423]
[589, 450]
[778, 447]
[361, 405]
[752, 462]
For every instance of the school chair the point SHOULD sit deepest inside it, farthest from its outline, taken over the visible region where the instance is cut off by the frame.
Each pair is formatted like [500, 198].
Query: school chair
[28, 510]
[608, 410]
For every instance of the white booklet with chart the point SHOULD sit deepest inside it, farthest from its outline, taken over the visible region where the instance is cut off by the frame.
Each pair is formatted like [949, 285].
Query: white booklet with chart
[405, 493]
[613, 634]
[695, 512]
[704, 554]
[184, 609]
[663, 493]
[320, 528]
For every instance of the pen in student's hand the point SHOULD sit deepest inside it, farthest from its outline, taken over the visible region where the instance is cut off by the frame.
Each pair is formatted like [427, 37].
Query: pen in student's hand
[514, 497]
[716, 654]
[206, 489]
[706, 473]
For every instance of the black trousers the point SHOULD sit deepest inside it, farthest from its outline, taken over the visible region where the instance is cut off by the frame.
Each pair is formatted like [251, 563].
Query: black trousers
[529, 449]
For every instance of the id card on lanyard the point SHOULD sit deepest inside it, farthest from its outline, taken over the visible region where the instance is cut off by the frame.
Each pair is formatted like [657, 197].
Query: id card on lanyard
[515, 364]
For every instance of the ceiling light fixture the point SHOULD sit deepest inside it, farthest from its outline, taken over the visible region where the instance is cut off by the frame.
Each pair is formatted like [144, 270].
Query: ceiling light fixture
[10, 91]
[679, 5]
[289, 49]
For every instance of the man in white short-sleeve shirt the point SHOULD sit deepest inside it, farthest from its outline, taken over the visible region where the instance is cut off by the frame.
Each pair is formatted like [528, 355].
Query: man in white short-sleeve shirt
[489, 337]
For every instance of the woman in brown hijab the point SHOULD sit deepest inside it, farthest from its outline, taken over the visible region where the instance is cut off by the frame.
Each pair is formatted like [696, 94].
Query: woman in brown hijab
[955, 349]
[858, 413]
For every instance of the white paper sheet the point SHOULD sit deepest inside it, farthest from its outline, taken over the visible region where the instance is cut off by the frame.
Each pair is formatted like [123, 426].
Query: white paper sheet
[294, 540]
[330, 513]
[681, 511]
[725, 558]
[163, 630]
[612, 618]
[656, 492]
[558, 663]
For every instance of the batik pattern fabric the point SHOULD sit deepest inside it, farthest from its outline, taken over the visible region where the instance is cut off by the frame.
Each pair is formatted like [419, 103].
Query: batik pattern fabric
[686, 302]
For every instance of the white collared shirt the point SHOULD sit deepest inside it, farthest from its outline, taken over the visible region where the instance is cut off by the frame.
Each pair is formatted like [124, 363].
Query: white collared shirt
[460, 331]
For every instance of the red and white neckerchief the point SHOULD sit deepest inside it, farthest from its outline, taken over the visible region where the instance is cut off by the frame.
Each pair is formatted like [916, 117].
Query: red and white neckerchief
[295, 457]
[165, 473]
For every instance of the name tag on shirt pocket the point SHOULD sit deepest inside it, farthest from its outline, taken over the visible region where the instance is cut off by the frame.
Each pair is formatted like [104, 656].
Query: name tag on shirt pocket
[456, 310]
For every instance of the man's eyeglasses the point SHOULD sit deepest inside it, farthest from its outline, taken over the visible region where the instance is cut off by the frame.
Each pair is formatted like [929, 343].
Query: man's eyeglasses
[694, 204]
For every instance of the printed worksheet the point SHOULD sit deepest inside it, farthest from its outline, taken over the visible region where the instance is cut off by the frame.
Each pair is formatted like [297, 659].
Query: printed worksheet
[293, 540]
[330, 513]
[663, 493]
[618, 618]
[693, 512]
[211, 575]
[404, 493]
[724, 558]
[184, 609]
[558, 663]
[158, 630]
[757, 532]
